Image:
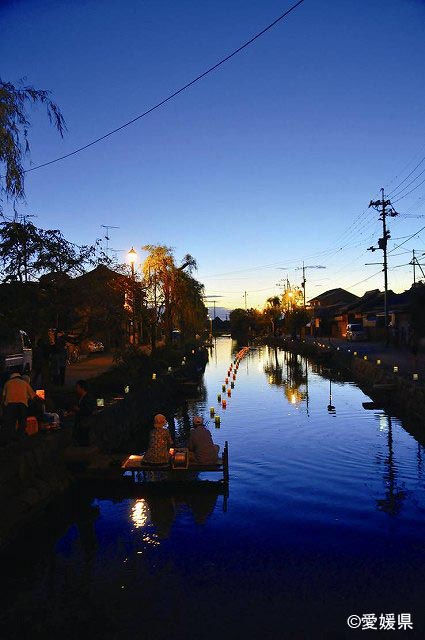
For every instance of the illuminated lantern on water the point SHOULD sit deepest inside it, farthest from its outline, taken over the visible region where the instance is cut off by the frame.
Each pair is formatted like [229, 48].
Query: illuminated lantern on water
[212, 412]
[232, 385]
[217, 422]
[219, 397]
[223, 388]
[226, 380]
[224, 403]
[229, 392]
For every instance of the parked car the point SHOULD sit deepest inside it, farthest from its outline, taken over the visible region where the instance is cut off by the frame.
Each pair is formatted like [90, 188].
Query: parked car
[355, 332]
[15, 351]
[95, 346]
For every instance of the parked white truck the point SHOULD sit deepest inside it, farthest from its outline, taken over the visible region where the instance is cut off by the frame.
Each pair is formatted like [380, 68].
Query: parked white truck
[15, 351]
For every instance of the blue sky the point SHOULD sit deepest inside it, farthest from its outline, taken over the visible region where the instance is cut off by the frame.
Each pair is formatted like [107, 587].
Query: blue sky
[269, 161]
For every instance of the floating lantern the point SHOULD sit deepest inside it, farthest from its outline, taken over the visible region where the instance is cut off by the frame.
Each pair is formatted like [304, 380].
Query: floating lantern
[223, 388]
[217, 422]
[229, 392]
[232, 385]
[170, 369]
[395, 368]
[212, 412]
[378, 362]
[354, 353]
[337, 348]
[234, 376]
[364, 357]
[126, 389]
[183, 363]
[100, 402]
[227, 381]
[219, 397]
[415, 376]
[154, 376]
[224, 403]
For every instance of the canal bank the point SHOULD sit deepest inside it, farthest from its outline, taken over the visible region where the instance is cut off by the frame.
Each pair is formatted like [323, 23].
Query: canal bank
[324, 520]
[37, 472]
[383, 383]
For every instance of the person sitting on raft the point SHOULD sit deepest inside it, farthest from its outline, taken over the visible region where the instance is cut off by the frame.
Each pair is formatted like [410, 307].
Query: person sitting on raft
[159, 442]
[202, 449]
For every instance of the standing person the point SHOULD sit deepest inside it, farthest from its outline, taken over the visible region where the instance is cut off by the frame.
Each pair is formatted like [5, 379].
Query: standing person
[159, 442]
[62, 360]
[201, 446]
[85, 408]
[16, 394]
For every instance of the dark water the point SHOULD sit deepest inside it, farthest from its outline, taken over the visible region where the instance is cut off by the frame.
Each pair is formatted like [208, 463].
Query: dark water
[324, 520]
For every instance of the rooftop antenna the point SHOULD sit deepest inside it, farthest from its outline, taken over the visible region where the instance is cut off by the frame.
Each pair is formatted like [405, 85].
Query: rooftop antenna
[212, 299]
[107, 238]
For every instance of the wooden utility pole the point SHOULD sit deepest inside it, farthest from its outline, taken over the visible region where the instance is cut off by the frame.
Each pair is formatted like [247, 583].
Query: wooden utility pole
[386, 209]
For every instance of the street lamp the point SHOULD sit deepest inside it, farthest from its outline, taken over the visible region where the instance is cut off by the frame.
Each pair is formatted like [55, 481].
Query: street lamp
[210, 319]
[132, 257]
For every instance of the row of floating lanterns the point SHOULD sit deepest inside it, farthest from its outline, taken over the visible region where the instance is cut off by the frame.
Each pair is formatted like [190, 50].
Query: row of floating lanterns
[229, 384]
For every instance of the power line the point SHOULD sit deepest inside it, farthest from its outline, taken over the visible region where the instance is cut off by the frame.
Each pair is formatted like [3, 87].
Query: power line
[361, 281]
[409, 238]
[409, 183]
[409, 192]
[408, 176]
[173, 95]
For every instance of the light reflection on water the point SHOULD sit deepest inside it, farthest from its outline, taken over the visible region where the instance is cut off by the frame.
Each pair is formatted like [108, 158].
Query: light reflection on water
[326, 507]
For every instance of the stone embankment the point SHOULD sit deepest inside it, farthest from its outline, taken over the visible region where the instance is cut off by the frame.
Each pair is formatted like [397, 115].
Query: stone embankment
[31, 476]
[35, 473]
[403, 396]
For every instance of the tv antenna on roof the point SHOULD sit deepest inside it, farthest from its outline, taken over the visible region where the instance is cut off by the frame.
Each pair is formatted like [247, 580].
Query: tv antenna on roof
[107, 238]
[212, 299]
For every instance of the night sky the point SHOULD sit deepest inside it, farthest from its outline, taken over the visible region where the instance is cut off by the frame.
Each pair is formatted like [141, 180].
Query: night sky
[268, 161]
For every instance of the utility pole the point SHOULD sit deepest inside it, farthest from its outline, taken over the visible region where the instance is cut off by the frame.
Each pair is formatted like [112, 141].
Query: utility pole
[245, 298]
[415, 263]
[303, 283]
[386, 209]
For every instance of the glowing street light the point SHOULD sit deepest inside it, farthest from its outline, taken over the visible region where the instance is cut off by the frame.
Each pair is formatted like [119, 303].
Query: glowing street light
[132, 257]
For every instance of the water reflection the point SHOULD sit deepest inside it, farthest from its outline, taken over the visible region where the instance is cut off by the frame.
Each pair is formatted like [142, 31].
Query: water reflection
[394, 497]
[292, 375]
[159, 511]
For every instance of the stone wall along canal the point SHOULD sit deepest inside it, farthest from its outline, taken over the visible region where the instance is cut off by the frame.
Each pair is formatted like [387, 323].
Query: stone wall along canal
[324, 520]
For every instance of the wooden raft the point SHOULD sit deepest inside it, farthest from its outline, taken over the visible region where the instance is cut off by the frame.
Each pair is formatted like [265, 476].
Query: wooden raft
[136, 465]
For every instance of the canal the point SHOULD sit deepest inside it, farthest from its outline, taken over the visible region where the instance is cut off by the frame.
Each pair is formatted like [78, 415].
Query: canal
[324, 520]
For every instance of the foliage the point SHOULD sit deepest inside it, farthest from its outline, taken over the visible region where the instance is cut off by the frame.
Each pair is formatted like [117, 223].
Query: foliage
[273, 312]
[418, 309]
[14, 125]
[173, 296]
[28, 252]
[296, 319]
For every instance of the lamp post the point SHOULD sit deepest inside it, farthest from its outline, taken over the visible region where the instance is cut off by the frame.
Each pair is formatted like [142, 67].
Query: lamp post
[211, 333]
[132, 257]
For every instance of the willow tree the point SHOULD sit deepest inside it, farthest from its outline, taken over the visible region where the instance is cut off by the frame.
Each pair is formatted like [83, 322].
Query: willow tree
[14, 139]
[172, 294]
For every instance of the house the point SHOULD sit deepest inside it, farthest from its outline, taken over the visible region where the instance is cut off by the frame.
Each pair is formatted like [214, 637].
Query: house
[327, 311]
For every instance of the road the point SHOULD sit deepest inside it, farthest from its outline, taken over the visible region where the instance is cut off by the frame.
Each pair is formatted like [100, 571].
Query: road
[391, 356]
[88, 367]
